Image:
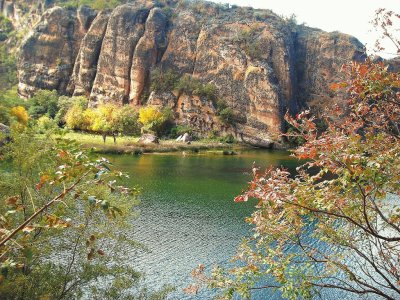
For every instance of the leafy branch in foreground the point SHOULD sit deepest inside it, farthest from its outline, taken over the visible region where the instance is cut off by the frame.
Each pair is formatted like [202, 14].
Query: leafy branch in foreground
[64, 220]
[336, 224]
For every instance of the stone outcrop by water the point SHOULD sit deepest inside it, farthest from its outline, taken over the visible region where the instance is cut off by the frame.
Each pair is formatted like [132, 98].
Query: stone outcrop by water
[260, 64]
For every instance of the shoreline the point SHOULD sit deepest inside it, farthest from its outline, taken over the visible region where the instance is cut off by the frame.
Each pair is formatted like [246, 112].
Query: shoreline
[130, 145]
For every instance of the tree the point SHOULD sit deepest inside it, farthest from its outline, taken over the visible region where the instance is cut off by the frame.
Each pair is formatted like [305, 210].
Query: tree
[127, 119]
[78, 118]
[336, 224]
[62, 220]
[45, 124]
[65, 103]
[44, 102]
[105, 121]
[154, 120]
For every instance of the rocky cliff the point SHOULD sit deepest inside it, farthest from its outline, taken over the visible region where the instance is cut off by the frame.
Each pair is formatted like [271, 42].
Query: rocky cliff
[260, 64]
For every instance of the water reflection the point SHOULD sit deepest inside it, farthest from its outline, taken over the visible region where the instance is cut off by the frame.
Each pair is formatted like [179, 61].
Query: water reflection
[188, 215]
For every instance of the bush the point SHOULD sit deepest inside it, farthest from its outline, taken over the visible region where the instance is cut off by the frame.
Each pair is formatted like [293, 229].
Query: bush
[128, 121]
[155, 120]
[163, 82]
[8, 65]
[51, 255]
[9, 99]
[227, 115]
[78, 118]
[229, 139]
[5, 28]
[192, 86]
[20, 114]
[179, 130]
[95, 4]
[44, 102]
[65, 103]
[45, 124]
[221, 105]
[213, 134]
[249, 42]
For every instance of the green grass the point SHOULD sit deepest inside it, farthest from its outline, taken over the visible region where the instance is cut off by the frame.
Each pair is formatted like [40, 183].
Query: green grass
[130, 145]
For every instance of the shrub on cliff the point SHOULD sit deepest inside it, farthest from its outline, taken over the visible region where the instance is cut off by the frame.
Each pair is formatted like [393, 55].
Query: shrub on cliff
[163, 81]
[95, 4]
[5, 28]
[193, 86]
[227, 115]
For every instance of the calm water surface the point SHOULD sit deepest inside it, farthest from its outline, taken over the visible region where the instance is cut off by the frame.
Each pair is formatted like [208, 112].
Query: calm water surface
[187, 213]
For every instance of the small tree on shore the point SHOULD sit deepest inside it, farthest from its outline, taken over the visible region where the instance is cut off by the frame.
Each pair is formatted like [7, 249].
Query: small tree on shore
[154, 119]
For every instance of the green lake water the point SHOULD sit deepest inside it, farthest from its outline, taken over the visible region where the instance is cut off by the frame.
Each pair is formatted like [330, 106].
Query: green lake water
[187, 213]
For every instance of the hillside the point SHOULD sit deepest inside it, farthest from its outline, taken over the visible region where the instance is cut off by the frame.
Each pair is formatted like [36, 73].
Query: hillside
[198, 58]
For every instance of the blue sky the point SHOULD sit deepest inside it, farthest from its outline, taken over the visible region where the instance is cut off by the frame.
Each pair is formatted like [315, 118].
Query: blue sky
[348, 16]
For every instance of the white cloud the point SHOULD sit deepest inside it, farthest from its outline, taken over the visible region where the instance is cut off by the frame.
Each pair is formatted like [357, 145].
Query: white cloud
[347, 16]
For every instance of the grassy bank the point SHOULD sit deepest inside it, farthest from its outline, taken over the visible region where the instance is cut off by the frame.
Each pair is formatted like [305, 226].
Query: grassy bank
[130, 145]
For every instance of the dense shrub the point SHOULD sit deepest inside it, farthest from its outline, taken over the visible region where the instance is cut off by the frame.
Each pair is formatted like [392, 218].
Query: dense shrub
[8, 100]
[128, 121]
[20, 114]
[229, 139]
[45, 124]
[65, 103]
[78, 118]
[180, 130]
[163, 81]
[95, 4]
[249, 41]
[227, 115]
[5, 28]
[192, 86]
[44, 102]
[155, 120]
[8, 66]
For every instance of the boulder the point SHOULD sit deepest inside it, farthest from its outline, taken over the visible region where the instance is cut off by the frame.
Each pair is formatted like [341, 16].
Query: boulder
[186, 138]
[148, 138]
[4, 129]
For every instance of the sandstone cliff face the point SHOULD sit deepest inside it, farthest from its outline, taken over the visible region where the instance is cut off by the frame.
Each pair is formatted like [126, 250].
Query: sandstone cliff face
[49, 53]
[259, 65]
